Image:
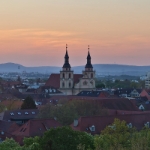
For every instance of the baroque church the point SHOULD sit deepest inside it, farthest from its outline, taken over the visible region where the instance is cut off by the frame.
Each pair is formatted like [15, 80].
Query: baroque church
[71, 84]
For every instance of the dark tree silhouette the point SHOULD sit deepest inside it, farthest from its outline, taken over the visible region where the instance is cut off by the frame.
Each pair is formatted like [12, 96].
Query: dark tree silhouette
[28, 103]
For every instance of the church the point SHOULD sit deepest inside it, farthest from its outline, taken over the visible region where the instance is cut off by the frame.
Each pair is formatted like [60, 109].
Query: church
[71, 84]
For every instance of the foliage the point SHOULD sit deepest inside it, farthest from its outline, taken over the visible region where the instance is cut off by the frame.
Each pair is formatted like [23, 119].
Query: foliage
[2, 108]
[117, 134]
[100, 85]
[65, 138]
[28, 103]
[120, 84]
[32, 143]
[67, 112]
[10, 144]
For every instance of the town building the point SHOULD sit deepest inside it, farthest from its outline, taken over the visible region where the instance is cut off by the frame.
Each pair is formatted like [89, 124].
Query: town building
[71, 84]
[147, 81]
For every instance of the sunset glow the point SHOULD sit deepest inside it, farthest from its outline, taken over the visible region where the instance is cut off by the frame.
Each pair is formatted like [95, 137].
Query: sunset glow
[35, 32]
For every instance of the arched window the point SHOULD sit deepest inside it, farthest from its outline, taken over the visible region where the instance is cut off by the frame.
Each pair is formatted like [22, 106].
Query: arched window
[63, 75]
[69, 84]
[63, 84]
[91, 82]
[91, 75]
[69, 75]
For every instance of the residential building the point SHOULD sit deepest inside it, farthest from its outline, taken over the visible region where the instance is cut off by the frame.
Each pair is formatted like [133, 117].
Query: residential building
[147, 81]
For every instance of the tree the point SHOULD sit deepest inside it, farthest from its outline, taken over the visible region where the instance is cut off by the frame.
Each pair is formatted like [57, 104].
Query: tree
[10, 144]
[28, 103]
[118, 134]
[65, 138]
[67, 112]
[100, 85]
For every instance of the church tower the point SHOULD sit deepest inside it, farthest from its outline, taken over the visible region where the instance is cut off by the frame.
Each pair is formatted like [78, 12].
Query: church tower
[66, 76]
[89, 73]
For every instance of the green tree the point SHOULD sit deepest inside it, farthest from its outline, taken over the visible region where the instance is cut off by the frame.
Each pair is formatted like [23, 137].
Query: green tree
[100, 85]
[118, 134]
[65, 138]
[10, 144]
[28, 103]
[67, 112]
[32, 143]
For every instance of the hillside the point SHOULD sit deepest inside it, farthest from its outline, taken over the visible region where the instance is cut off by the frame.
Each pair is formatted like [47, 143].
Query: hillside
[101, 69]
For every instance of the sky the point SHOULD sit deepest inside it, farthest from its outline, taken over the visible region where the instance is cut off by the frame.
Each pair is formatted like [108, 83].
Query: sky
[35, 32]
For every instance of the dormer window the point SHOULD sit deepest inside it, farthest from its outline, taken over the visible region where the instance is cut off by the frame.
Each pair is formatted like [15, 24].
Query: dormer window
[12, 114]
[26, 113]
[92, 128]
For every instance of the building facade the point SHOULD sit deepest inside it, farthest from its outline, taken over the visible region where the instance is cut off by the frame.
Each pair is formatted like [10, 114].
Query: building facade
[70, 83]
[147, 81]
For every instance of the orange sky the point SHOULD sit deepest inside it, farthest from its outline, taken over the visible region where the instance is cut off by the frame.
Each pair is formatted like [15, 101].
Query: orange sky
[35, 32]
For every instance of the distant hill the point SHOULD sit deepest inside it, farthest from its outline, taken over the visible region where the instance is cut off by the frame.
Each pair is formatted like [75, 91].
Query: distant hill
[101, 69]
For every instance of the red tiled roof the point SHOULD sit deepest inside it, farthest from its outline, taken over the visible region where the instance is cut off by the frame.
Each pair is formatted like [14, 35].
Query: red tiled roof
[100, 122]
[35, 127]
[77, 77]
[54, 80]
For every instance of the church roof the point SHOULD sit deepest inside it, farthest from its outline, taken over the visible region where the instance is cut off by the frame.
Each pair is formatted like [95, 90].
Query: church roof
[54, 80]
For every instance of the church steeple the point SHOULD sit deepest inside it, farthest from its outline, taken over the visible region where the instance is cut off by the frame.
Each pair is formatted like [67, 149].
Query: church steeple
[89, 65]
[66, 65]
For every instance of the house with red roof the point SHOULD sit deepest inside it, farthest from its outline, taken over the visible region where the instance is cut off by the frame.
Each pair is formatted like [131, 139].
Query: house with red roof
[35, 127]
[95, 124]
[145, 92]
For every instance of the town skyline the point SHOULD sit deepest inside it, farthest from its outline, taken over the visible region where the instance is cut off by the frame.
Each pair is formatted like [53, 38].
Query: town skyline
[35, 33]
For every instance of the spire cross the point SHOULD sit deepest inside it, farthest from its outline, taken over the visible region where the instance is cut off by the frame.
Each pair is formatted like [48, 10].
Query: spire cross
[66, 47]
[88, 47]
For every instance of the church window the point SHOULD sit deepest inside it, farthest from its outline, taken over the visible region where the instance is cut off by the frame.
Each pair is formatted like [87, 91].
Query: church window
[63, 75]
[91, 82]
[85, 83]
[69, 75]
[63, 84]
[69, 84]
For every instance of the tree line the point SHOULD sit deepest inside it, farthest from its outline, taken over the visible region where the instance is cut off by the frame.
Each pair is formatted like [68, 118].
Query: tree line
[117, 136]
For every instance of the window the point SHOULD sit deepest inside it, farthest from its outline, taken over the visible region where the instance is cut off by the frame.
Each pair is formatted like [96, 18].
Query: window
[26, 113]
[91, 75]
[63, 84]
[12, 114]
[85, 83]
[129, 125]
[63, 75]
[92, 128]
[69, 75]
[69, 84]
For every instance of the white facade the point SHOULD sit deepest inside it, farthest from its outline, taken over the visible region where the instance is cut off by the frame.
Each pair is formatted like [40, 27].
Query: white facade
[147, 81]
